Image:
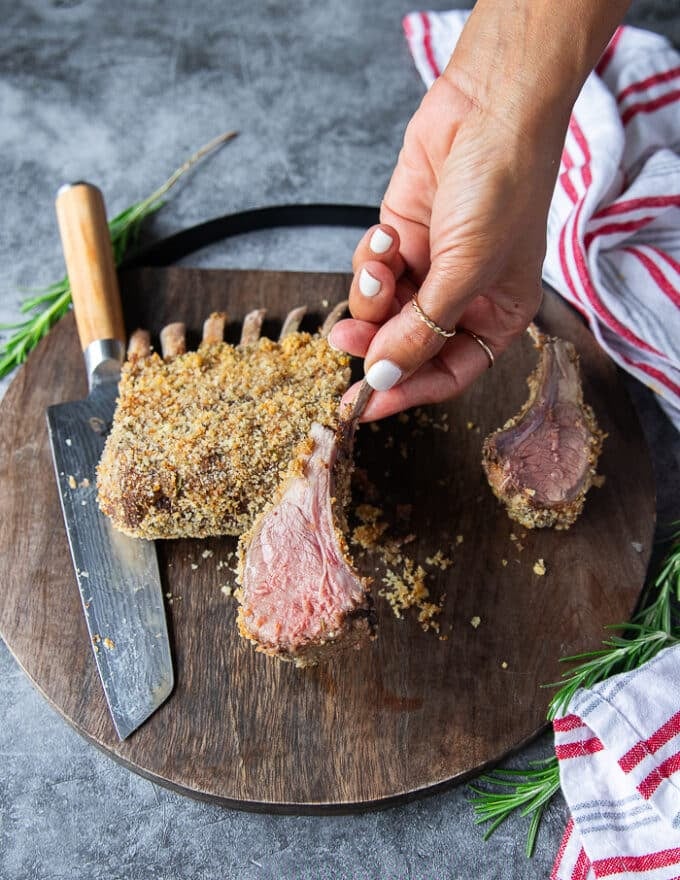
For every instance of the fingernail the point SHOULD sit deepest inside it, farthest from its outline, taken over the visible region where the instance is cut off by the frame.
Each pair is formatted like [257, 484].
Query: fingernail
[380, 242]
[368, 285]
[383, 375]
[329, 340]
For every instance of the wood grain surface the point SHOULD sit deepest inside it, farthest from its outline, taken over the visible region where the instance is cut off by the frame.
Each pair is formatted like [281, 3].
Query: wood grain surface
[412, 712]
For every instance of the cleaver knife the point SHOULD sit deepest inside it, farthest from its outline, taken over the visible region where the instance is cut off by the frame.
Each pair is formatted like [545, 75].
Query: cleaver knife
[117, 576]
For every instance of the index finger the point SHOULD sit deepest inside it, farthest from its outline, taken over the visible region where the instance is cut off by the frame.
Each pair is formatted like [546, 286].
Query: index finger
[442, 378]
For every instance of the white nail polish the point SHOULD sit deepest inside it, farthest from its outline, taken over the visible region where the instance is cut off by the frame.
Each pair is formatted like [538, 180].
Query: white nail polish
[368, 285]
[383, 375]
[380, 242]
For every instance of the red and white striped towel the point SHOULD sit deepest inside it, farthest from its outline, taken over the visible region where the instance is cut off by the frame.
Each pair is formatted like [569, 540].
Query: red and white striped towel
[613, 247]
[619, 755]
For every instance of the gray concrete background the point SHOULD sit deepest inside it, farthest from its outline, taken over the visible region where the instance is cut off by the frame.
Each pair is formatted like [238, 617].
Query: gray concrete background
[120, 93]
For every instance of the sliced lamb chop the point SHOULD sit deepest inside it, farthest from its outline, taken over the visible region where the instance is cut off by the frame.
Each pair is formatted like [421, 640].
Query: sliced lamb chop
[300, 596]
[543, 461]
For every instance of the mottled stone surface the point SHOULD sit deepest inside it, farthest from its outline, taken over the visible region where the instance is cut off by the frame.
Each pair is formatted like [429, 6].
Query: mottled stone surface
[120, 93]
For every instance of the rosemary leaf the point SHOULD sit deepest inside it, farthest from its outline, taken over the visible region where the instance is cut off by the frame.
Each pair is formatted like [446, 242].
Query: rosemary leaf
[48, 305]
[655, 627]
[529, 791]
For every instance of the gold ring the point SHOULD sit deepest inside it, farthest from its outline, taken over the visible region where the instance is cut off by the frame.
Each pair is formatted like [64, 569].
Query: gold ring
[447, 334]
[485, 348]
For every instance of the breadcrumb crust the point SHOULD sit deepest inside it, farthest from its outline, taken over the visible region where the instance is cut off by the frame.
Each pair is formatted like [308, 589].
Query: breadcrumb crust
[200, 442]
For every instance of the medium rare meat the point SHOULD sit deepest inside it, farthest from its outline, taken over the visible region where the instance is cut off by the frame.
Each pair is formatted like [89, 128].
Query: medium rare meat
[201, 439]
[300, 596]
[543, 461]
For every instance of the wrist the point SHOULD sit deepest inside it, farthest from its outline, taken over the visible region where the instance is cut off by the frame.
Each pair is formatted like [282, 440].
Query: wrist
[526, 62]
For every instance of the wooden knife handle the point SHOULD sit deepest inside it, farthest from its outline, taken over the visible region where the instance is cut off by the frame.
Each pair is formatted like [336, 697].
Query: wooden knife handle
[90, 265]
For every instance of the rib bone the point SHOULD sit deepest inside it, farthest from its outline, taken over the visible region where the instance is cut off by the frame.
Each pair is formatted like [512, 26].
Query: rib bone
[252, 325]
[292, 321]
[173, 340]
[213, 328]
[139, 345]
[333, 317]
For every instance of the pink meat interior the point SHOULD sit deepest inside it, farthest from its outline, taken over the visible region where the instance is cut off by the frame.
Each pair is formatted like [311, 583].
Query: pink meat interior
[548, 448]
[297, 585]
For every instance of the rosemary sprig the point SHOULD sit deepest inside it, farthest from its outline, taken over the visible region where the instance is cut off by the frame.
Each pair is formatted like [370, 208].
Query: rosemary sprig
[47, 306]
[650, 630]
[528, 791]
[655, 627]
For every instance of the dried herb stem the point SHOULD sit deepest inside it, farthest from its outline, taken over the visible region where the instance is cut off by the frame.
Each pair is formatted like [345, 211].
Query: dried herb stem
[48, 305]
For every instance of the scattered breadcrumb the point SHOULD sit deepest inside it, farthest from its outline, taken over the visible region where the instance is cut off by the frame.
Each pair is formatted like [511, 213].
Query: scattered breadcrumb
[459, 539]
[504, 562]
[194, 566]
[72, 482]
[470, 426]
[404, 581]
[368, 535]
[518, 546]
[439, 560]
[426, 419]
[539, 567]
[504, 665]
[637, 546]
[475, 621]
[227, 590]
[108, 643]
[224, 563]
[207, 554]
[407, 589]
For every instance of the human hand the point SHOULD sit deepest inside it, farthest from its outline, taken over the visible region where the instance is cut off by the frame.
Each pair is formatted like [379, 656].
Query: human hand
[463, 226]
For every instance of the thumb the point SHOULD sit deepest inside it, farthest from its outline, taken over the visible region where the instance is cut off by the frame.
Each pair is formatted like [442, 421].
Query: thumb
[417, 333]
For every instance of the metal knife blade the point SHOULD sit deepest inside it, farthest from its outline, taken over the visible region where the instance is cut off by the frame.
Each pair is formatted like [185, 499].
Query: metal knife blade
[117, 576]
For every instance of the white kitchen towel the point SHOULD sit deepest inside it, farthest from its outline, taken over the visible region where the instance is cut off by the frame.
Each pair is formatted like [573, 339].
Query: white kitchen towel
[619, 755]
[613, 248]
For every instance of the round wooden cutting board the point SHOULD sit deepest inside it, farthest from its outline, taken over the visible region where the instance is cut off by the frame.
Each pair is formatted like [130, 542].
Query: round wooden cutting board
[412, 712]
